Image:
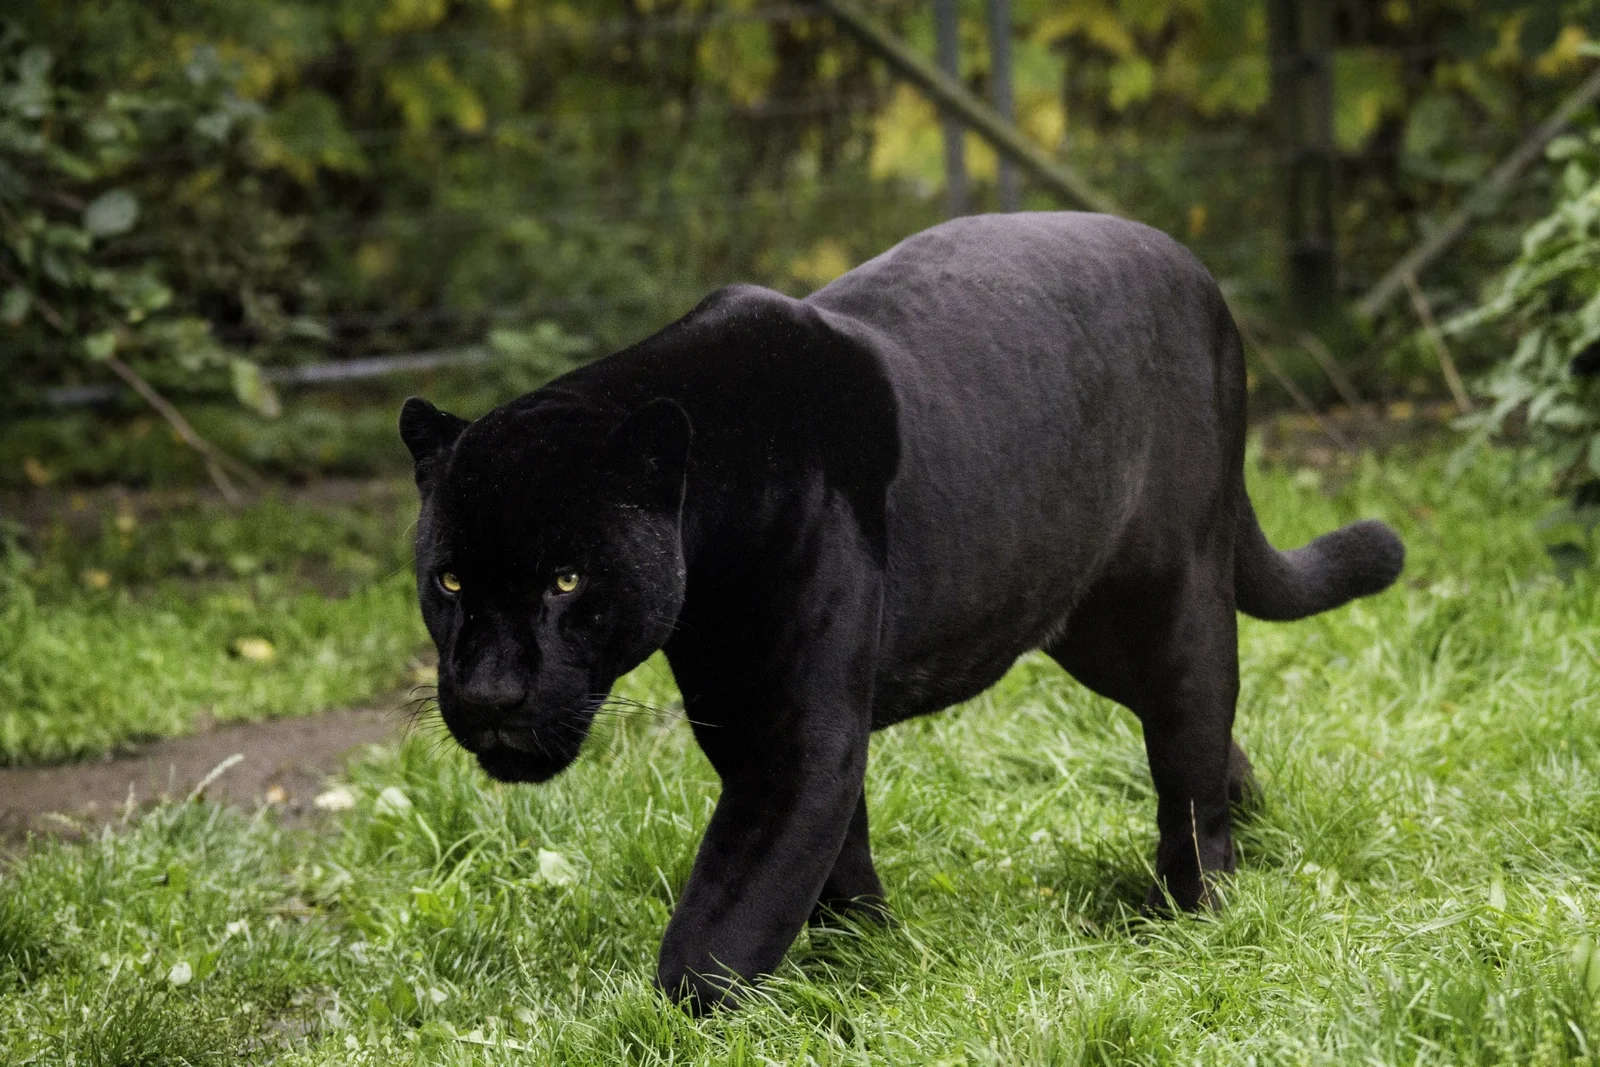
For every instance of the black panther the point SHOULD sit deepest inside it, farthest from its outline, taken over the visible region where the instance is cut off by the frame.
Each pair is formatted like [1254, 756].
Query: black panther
[1009, 432]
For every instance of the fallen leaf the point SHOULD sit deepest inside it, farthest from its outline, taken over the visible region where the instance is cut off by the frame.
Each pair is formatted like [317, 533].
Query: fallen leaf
[554, 868]
[392, 801]
[255, 649]
[336, 799]
[181, 974]
[276, 794]
[37, 473]
[95, 578]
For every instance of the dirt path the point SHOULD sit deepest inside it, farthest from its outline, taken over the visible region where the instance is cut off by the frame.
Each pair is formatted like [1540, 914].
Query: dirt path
[285, 762]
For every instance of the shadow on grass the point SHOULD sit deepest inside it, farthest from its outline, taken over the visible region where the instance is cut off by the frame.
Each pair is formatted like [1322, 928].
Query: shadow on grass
[1102, 886]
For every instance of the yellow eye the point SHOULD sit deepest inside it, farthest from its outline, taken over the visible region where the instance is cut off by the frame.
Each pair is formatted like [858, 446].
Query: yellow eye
[566, 581]
[450, 582]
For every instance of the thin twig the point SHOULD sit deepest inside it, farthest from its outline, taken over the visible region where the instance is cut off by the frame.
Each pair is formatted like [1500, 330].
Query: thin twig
[213, 458]
[1419, 301]
[1336, 373]
[1298, 395]
[40, 304]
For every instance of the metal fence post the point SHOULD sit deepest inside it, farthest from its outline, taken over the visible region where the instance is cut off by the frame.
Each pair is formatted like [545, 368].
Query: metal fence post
[947, 31]
[1010, 187]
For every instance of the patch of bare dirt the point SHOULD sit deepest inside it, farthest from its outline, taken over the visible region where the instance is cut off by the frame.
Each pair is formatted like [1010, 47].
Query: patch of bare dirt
[284, 763]
[1329, 439]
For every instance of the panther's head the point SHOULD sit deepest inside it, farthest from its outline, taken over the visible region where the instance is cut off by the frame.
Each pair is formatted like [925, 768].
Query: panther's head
[549, 562]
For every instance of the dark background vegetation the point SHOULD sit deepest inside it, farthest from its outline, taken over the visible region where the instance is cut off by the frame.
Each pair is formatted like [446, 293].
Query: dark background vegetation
[199, 190]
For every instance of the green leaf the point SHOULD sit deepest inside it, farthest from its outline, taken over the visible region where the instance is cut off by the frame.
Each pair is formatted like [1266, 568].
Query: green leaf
[1566, 415]
[100, 346]
[1432, 120]
[112, 212]
[1564, 148]
[1576, 179]
[214, 126]
[15, 305]
[253, 390]
[177, 877]
[401, 999]
[307, 132]
[1586, 965]
[1367, 86]
[1133, 80]
[30, 95]
[141, 294]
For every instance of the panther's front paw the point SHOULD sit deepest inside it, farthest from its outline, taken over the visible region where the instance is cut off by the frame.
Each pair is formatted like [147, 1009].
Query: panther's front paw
[1185, 892]
[699, 993]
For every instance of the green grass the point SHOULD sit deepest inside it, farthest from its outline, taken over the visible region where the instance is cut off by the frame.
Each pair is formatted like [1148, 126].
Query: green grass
[136, 631]
[1420, 886]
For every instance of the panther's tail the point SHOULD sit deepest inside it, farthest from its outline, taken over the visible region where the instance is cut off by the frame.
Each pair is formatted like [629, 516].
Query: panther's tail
[1356, 560]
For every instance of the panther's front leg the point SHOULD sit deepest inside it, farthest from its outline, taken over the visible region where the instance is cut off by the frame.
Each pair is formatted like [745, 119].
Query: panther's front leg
[779, 690]
[769, 849]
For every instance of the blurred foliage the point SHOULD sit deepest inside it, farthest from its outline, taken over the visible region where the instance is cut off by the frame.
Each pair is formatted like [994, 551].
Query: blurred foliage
[211, 191]
[1546, 309]
[70, 202]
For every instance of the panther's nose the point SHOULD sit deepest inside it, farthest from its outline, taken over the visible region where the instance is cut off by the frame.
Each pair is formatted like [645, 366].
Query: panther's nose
[496, 693]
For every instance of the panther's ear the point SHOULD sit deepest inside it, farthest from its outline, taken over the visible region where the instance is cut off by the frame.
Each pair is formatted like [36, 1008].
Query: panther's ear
[650, 451]
[427, 431]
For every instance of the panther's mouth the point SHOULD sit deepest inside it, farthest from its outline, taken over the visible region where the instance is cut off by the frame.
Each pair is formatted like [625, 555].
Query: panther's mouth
[511, 752]
[505, 764]
[518, 739]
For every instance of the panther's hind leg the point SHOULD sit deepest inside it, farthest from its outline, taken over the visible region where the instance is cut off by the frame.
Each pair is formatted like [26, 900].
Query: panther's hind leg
[1244, 792]
[1168, 650]
[853, 888]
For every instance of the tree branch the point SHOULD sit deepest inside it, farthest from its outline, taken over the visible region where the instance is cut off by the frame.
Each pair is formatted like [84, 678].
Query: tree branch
[1480, 200]
[214, 459]
[1458, 392]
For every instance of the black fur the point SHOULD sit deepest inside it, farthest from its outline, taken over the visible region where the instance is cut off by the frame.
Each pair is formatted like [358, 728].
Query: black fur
[1010, 432]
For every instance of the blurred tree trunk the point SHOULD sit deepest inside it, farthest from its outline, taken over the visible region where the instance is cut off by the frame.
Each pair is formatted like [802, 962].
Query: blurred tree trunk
[1300, 35]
